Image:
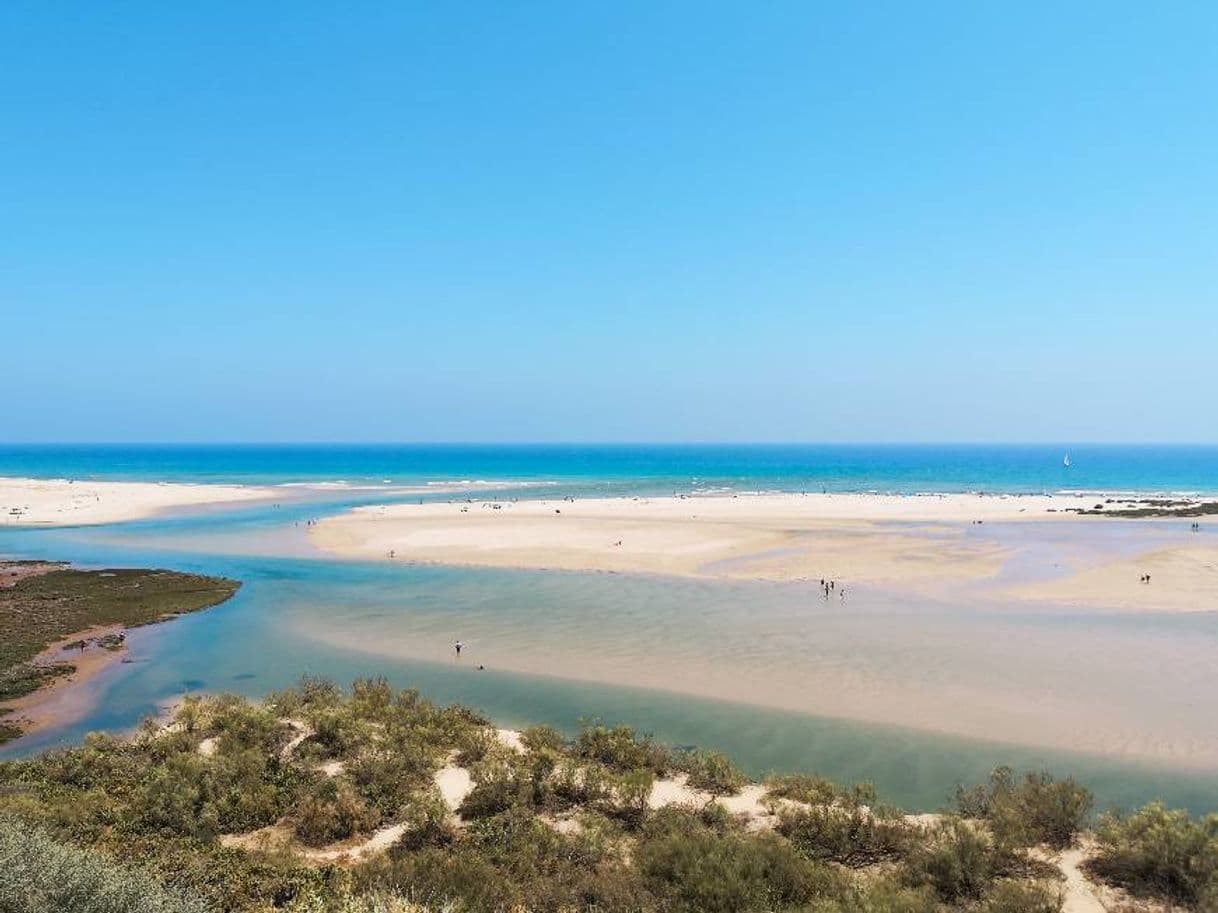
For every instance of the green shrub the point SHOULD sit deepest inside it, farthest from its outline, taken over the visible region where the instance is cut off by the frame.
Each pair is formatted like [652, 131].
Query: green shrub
[1036, 809]
[336, 734]
[958, 863]
[499, 784]
[334, 811]
[371, 697]
[850, 835]
[1160, 853]
[618, 747]
[807, 788]
[474, 744]
[386, 779]
[188, 795]
[701, 871]
[543, 738]
[878, 895]
[38, 875]
[433, 876]
[713, 772]
[581, 784]
[1012, 896]
[631, 791]
[239, 725]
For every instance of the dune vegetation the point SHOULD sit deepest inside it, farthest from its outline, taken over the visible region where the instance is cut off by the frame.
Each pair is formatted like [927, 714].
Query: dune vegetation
[377, 800]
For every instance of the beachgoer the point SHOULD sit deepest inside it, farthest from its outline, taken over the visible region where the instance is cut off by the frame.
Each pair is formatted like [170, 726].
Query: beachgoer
[458, 645]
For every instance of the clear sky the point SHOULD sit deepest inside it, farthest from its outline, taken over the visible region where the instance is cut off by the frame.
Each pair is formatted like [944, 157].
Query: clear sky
[802, 221]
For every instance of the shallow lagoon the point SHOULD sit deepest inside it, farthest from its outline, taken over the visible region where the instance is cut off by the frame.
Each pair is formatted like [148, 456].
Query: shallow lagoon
[300, 614]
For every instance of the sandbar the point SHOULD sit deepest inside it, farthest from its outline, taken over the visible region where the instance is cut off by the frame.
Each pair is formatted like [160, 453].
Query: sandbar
[919, 543]
[72, 502]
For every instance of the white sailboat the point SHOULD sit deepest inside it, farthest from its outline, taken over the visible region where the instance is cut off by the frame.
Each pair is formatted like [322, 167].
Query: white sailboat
[1066, 461]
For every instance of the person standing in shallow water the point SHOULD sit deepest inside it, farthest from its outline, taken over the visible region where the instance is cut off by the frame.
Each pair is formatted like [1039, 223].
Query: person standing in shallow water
[458, 645]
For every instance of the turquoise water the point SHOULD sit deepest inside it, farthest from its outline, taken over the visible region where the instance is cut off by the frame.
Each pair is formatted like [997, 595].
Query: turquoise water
[649, 468]
[299, 613]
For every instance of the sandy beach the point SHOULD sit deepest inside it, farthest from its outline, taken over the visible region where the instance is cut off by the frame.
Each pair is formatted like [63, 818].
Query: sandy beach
[924, 543]
[68, 502]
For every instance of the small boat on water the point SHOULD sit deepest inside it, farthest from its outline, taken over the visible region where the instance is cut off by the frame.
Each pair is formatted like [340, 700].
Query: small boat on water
[1066, 461]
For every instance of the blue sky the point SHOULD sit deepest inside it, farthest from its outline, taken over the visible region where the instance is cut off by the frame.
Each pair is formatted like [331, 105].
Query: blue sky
[572, 221]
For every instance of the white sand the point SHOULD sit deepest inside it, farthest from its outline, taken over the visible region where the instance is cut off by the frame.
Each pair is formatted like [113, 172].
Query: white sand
[455, 784]
[788, 536]
[908, 540]
[510, 739]
[64, 502]
[332, 768]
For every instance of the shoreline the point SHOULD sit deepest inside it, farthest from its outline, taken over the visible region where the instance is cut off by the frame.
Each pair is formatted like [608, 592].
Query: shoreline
[46, 502]
[64, 699]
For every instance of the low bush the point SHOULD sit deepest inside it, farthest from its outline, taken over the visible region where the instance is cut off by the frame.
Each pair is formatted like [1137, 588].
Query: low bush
[543, 738]
[1037, 809]
[473, 745]
[849, 835]
[38, 874]
[806, 788]
[333, 811]
[499, 784]
[574, 783]
[386, 779]
[618, 747]
[1160, 853]
[1009, 895]
[632, 790]
[701, 871]
[958, 863]
[713, 772]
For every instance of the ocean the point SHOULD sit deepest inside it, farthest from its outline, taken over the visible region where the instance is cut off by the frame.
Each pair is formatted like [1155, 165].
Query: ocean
[648, 468]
